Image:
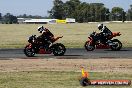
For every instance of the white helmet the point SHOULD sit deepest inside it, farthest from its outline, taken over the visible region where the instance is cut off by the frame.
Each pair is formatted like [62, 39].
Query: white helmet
[40, 29]
[100, 26]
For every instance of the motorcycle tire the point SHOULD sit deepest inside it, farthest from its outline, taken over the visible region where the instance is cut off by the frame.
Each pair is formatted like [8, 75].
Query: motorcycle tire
[59, 49]
[89, 47]
[29, 52]
[118, 45]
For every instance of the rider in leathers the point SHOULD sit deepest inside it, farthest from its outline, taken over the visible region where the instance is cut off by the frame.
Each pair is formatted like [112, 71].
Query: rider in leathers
[46, 37]
[104, 34]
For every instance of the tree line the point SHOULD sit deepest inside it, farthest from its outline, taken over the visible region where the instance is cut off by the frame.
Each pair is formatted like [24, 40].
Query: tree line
[81, 11]
[88, 12]
[8, 18]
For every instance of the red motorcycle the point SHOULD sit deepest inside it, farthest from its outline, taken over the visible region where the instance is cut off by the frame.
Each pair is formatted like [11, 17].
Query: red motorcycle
[35, 47]
[93, 42]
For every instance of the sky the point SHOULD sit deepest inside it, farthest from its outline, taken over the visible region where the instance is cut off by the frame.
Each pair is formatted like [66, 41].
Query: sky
[40, 7]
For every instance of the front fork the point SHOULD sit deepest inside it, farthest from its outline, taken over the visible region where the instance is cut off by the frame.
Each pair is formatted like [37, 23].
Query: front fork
[91, 41]
[32, 46]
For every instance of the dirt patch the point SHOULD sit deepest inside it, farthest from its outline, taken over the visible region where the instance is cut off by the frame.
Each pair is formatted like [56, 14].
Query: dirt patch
[92, 65]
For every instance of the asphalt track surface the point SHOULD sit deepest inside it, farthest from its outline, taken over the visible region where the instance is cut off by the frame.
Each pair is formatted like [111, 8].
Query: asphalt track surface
[72, 53]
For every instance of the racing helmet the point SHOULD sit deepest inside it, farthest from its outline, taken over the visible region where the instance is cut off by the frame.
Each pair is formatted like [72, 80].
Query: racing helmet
[40, 29]
[100, 26]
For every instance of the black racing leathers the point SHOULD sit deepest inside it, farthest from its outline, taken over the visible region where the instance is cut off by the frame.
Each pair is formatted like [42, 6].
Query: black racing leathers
[104, 34]
[45, 38]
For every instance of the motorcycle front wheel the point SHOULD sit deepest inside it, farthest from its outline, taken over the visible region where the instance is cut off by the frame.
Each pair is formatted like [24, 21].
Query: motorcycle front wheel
[88, 46]
[29, 52]
[59, 49]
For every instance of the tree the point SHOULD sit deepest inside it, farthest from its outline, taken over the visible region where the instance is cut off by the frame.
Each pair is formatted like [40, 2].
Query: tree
[57, 11]
[0, 16]
[9, 19]
[80, 13]
[30, 16]
[71, 8]
[96, 11]
[129, 14]
[99, 12]
[86, 12]
[117, 13]
[123, 16]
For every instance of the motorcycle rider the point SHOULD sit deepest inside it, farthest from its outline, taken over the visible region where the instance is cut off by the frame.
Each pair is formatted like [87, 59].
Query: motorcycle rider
[46, 37]
[104, 34]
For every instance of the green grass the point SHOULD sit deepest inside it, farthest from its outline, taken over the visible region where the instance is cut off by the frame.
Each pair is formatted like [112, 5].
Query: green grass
[75, 35]
[53, 79]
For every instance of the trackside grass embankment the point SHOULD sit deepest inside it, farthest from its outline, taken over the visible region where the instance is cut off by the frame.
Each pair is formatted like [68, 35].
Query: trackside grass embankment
[75, 35]
[53, 79]
[55, 73]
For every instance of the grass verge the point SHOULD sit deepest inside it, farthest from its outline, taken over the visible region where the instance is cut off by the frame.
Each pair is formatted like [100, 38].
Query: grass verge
[54, 79]
[75, 35]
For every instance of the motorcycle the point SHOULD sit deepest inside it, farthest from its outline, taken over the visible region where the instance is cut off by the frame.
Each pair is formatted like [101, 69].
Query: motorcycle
[93, 43]
[35, 47]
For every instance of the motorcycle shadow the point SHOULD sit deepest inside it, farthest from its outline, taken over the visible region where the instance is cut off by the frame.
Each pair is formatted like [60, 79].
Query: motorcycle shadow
[119, 50]
[72, 55]
[68, 56]
[54, 57]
